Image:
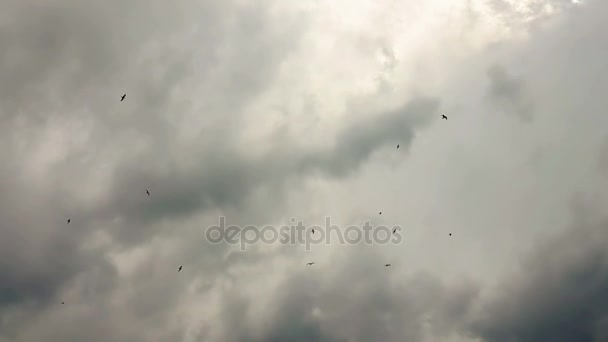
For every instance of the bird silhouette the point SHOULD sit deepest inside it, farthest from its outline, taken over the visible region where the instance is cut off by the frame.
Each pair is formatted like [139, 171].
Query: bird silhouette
[444, 117]
[179, 269]
[397, 145]
[387, 265]
[123, 97]
[148, 192]
[69, 220]
[394, 230]
[313, 230]
[310, 263]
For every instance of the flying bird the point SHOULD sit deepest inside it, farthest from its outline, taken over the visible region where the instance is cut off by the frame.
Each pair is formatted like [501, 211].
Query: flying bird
[387, 265]
[123, 97]
[444, 117]
[394, 230]
[179, 269]
[313, 230]
[69, 220]
[397, 145]
[310, 263]
[148, 192]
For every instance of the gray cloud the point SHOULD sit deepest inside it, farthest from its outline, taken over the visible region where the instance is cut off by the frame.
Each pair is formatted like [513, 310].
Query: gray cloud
[602, 162]
[510, 94]
[70, 63]
[561, 295]
[66, 67]
[192, 72]
[225, 176]
[361, 301]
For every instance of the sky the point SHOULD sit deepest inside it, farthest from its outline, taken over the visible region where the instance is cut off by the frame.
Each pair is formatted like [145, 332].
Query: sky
[265, 112]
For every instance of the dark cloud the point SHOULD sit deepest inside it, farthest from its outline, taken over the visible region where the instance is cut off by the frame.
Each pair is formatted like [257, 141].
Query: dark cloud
[510, 94]
[225, 176]
[561, 294]
[360, 300]
[65, 67]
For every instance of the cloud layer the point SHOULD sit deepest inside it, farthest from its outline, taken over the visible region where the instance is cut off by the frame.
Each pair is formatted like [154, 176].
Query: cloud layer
[265, 111]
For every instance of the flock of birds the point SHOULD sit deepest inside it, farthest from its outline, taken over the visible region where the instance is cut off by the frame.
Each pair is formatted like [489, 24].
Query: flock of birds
[380, 213]
[122, 98]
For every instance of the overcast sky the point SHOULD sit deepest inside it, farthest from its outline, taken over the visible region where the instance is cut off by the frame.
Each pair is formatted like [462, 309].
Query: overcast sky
[264, 111]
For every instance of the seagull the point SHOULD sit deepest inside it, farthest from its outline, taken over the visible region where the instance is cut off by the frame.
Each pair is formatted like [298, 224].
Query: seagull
[387, 265]
[397, 145]
[148, 192]
[179, 269]
[444, 117]
[310, 263]
[123, 97]
[69, 220]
